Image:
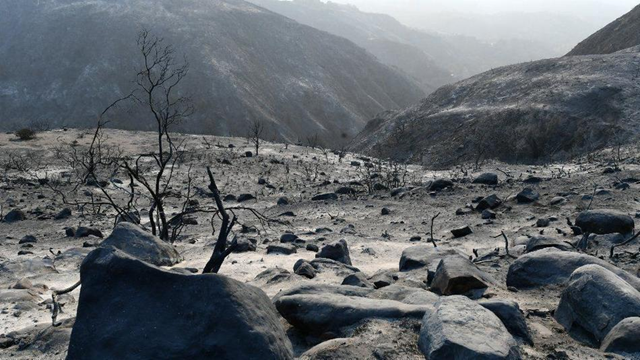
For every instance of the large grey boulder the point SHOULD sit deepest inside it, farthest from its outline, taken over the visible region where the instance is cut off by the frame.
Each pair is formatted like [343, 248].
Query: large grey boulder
[605, 222]
[624, 338]
[486, 179]
[129, 309]
[553, 267]
[595, 301]
[540, 242]
[333, 313]
[509, 313]
[459, 328]
[338, 251]
[420, 256]
[457, 275]
[140, 244]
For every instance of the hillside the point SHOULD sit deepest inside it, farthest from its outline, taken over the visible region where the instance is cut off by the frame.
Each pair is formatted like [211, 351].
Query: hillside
[549, 109]
[64, 61]
[621, 34]
[430, 58]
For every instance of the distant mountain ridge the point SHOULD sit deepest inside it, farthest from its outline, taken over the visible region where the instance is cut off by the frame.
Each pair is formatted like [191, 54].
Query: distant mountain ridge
[545, 110]
[431, 59]
[64, 61]
[621, 34]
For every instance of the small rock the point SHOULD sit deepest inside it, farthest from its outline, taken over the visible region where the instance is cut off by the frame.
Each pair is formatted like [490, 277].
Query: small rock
[358, 279]
[487, 179]
[461, 232]
[284, 249]
[338, 251]
[527, 196]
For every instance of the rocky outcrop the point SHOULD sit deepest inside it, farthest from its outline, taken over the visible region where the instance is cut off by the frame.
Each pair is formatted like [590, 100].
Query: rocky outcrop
[138, 243]
[459, 328]
[595, 301]
[153, 313]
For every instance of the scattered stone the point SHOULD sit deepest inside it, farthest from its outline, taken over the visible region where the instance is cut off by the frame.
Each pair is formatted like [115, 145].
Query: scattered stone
[527, 196]
[15, 215]
[22, 284]
[70, 232]
[245, 197]
[323, 197]
[421, 256]
[358, 279]
[459, 328]
[134, 241]
[490, 202]
[338, 251]
[461, 232]
[554, 267]
[558, 200]
[123, 292]
[229, 197]
[595, 301]
[288, 238]
[509, 313]
[605, 222]
[440, 184]
[487, 179]
[540, 242]
[28, 239]
[385, 211]
[273, 275]
[288, 214]
[456, 275]
[304, 268]
[245, 245]
[283, 201]
[285, 249]
[345, 191]
[63, 214]
[543, 222]
[312, 247]
[623, 338]
[488, 214]
[83, 232]
[330, 312]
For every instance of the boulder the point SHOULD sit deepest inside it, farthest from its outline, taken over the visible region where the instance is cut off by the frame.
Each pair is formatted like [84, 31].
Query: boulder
[131, 217]
[28, 239]
[304, 268]
[323, 197]
[459, 328]
[345, 190]
[245, 245]
[540, 242]
[285, 249]
[272, 276]
[84, 231]
[155, 314]
[440, 184]
[486, 179]
[527, 196]
[489, 203]
[624, 338]
[338, 251]
[594, 301]
[288, 238]
[457, 275]
[245, 197]
[15, 215]
[461, 232]
[358, 279]
[605, 222]
[509, 313]
[333, 313]
[553, 267]
[420, 256]
[63, 214]
[140, 244]
[283, 201]
[405, 294]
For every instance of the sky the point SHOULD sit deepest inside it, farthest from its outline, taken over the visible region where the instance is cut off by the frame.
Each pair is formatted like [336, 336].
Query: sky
[596, 10]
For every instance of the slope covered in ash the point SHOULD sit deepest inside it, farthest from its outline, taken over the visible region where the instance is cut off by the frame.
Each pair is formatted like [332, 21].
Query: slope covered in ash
[621, 34]
[549, 109]
[64, 61]
[432, 59]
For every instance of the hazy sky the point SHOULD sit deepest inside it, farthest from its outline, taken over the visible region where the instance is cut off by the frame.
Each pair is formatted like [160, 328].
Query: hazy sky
[598, 10]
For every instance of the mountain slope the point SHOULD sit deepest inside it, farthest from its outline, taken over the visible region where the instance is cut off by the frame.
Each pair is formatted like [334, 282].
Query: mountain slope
[432, 59]
[620, 34]
[549, 109]
[64, 61]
